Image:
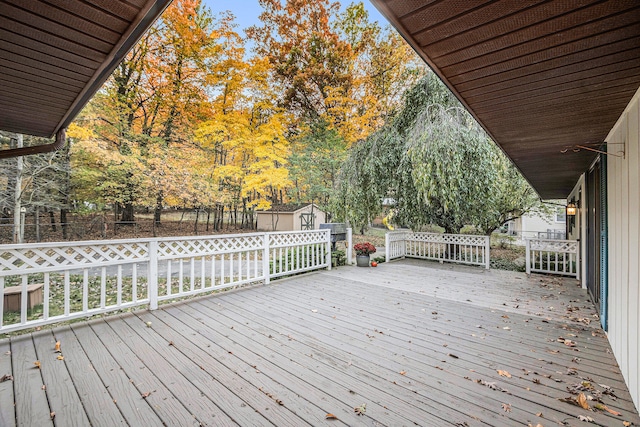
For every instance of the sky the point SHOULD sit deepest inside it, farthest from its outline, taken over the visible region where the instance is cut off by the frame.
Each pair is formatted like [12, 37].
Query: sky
[248, 11]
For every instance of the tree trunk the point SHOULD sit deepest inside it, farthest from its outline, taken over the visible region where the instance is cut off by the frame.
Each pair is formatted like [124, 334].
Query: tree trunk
[63, 223]
[36, 218]
[17, 196]
[127, 214]
[208, 217]
[158, 209]
[195, 223]
[52, 221]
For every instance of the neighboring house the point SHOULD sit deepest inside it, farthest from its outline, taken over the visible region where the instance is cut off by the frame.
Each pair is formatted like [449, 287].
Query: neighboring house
[539, 227]
[556, 86]
[291, 218]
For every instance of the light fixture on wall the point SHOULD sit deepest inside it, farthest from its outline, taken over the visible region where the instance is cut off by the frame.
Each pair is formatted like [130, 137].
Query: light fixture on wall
[571, 209]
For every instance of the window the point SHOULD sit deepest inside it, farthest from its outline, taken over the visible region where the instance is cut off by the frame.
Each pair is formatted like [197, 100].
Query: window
[561, 215]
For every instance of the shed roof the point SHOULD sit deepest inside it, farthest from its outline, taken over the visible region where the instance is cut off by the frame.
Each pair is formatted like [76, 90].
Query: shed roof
[55, 54]
[541, 77]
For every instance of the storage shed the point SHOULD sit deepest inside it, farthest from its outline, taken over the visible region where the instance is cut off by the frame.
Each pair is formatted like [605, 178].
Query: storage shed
[291, 217]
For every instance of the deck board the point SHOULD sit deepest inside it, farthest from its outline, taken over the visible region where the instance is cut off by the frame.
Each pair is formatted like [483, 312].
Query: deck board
[418, 342]
[63, 398]
[32, 408]
[7, 409]
[101, 407]
[121, 389]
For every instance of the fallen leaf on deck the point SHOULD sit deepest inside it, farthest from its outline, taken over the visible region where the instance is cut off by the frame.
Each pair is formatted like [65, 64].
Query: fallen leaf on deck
[52, 414]
[279, 402]
[170, 342]
[44, 387]
[537, 425]
[492, 386]
[6, 377]
[506, 407]
[60, 357]
[602, 407]
[314, 311]
[148, 324]
[587, 419]
[7, 353]
[539, 414]
[506, 328]
[626, 424]
[145, 395]
[360, 410]
[37, 364]
[503, 373]
[403, 372]
[330, 417]
[582, 400]
[57, 350]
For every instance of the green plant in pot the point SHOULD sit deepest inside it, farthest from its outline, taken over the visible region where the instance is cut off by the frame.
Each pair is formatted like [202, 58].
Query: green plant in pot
[363, 253]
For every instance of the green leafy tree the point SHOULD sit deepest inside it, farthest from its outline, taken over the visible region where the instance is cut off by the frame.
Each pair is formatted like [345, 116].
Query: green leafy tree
[439, 166]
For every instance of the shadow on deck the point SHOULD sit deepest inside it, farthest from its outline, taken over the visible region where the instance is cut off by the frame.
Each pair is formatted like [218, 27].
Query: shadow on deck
[409, 342]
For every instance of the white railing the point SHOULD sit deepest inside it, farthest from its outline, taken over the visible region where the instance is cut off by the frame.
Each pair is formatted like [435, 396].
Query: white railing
[394, 245]
[51, 282]
[553, 257]
[458, 248]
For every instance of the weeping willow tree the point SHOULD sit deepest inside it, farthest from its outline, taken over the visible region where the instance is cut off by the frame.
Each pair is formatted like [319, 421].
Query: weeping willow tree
[438, 164]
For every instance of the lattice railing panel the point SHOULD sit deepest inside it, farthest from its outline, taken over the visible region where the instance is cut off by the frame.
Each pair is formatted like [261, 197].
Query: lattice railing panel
[567, 246]
[297, 239]
[34, 259]
[458, 239]
[198, 247]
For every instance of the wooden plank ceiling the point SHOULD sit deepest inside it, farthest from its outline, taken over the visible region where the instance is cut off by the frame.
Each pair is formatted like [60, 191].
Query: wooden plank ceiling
[540, 76]
[55, 54]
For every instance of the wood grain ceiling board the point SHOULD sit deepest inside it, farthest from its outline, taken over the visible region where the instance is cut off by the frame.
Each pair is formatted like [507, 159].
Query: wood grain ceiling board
[538, 75]
[55, 54]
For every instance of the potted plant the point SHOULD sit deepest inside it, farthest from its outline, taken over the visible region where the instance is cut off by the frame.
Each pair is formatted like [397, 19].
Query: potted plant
[363, 252]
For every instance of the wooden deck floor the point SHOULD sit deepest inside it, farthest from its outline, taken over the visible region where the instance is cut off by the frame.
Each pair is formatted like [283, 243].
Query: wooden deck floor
[414, 343]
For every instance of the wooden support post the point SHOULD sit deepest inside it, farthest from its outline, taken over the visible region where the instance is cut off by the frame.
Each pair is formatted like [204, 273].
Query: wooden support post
[153, 275]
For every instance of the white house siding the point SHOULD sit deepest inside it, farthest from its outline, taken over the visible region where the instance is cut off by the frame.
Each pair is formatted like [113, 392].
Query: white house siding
[623, 175]
[530, 227]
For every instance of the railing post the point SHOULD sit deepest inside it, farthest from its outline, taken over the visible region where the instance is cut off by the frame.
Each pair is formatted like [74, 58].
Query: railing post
[487, 246]
[153, 275]
[349, 246]
[528, 256]
[328, 237]
[387, 247]
[265, 260]
[578, 259]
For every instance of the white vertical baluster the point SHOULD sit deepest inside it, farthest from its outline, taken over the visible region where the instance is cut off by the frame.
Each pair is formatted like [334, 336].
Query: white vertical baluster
[85, 290]
[66, 292]
[134, 282]
[23, 298]
[119, 286]
[45, 305]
